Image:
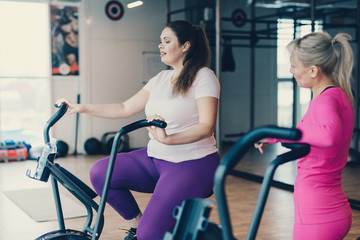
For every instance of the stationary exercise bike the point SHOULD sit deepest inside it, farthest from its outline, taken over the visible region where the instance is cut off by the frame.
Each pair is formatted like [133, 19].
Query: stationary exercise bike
[192, 216]
[47, 168]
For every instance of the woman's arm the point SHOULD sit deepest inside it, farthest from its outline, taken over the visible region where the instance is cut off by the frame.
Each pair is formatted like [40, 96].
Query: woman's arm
[207, 108]
[130, 107]
[325, 130]
[321, 127]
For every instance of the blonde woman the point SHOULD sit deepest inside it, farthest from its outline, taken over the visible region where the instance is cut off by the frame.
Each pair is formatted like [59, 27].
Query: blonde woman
[324, 65]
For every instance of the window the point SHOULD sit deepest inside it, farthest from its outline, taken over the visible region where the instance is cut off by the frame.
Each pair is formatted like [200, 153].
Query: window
[24, 70]
[292, 101]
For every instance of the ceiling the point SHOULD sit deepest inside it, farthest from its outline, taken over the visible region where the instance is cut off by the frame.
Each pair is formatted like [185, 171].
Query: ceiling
[320, 4]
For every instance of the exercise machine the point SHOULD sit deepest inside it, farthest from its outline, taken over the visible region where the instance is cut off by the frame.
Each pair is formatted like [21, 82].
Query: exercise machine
[192, 216]
[46, 168]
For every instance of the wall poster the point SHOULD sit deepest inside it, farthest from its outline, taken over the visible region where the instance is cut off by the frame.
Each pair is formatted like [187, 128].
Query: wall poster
[64, 40]
[152, 65]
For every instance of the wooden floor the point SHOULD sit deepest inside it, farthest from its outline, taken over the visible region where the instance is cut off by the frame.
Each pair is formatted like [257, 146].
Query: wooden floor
[276, 222]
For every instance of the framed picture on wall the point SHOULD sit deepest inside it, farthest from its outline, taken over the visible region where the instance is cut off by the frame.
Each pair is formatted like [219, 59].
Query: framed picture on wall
[152, 65]
[64, 40]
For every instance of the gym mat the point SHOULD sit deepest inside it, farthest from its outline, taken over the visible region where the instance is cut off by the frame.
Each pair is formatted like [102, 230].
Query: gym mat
[39, 204]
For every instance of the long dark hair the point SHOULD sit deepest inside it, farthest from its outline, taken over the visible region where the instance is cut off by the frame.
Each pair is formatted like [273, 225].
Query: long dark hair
[198, 55]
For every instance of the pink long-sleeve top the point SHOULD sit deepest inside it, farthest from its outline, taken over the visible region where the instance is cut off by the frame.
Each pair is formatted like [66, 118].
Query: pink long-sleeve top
[327, 126]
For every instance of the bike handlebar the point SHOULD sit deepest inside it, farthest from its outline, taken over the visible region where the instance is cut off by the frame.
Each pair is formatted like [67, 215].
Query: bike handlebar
[143, 123]
[62, 110]
[246, 141]
[128, 128]
[234, 156]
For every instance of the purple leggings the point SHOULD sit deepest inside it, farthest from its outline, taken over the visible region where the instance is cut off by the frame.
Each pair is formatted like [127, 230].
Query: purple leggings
[170, 183]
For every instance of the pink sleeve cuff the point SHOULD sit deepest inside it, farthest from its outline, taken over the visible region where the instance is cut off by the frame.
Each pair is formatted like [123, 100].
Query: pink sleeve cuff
[272, 140]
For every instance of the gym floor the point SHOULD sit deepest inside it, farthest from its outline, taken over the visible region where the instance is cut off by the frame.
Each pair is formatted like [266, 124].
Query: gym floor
[276, 222]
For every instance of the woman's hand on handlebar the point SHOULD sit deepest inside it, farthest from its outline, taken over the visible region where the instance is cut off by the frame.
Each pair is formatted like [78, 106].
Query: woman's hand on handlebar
[261, 144]
[73, 107]
[158, 133]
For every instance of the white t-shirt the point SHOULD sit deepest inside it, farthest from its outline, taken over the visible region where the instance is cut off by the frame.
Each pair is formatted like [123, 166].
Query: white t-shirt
[180, 114]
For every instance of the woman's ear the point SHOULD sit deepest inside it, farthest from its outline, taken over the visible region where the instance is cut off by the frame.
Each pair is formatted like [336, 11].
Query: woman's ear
[314, 71]
[186, 46]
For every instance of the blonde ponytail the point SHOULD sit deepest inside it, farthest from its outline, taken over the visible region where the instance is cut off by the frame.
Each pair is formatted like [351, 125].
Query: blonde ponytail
[342, 73]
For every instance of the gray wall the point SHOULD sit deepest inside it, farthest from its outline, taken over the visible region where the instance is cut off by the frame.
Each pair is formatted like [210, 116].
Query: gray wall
[236, 91]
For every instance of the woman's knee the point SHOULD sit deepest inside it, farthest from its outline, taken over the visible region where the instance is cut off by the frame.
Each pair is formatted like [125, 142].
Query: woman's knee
[98, 173]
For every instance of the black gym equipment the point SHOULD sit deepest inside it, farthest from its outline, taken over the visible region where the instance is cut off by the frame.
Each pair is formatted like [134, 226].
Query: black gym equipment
[192, 216]
[62, 148]
[107, 140]
[93, 146]
[228, 61]
[238, 17]
[92, 229]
